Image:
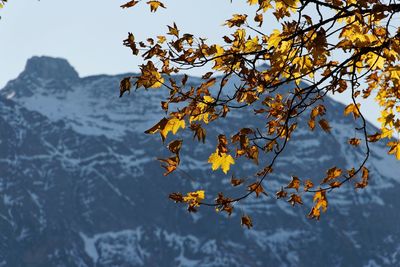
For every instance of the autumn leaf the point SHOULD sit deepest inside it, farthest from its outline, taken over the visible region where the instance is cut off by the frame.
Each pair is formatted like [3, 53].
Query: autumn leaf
[173, 30]
[364, 178]
[295, 199]
[177, 197]
[281, 193]
[150, 77]
[246, 221]
[259, 18]
[207, 75]
[314, 213]
[294, 183]
[129, 4]
[324, 125]
[193, 199]
[221, 160]
[394, 149]
[130, 42]
[173, 125]
[124, 86]
[165, 126]
[237, 20]
[236, 181]
[308, 185]
[170, 164]
[320, 200]
[355, 141]
[331, 174]
[224, 204]
[257, 188]
[351, 108]
[175, 146]
[374, 137]
[154, 5]
[199, 132]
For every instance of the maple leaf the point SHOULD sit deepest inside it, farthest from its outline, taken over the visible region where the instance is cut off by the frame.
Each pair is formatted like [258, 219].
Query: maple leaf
[161, 39]
[129, 4]
[314, 213]
[331, 174]
[308, 185]
[364, 178]
[130, 42]
[125, 85]
[294, 183]
[354, 141]
[171, 164]
[224, 204]
[221, 160]
[237, 20]
[150, 77]
[257, 188]
[165, 126]
[154, 5]
[281, 193]
[194, 199]
[173, 125]
[320, 200]
[199, 132]
[207, 75]
[246, 221]
[295, 199]
[374, 137]
[351, 108]
[236, 181]
[175, 146]
[394, 149]
[177, 197]
[324, 125]
[259, 18]
[173, 30]
[375, 61]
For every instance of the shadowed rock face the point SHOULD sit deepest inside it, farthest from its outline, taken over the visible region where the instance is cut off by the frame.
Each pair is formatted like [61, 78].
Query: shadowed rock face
[79, 186]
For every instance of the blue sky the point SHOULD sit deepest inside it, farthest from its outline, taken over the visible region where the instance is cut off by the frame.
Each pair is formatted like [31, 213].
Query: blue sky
[89, 33]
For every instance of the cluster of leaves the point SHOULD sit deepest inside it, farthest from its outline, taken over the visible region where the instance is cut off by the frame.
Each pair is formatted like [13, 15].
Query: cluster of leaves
[305, 48]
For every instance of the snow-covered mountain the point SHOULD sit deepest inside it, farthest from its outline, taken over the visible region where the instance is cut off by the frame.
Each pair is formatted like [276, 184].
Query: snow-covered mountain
[80, 186]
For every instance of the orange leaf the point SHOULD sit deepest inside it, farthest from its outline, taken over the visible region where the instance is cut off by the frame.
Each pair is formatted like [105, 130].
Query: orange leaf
[246, 221]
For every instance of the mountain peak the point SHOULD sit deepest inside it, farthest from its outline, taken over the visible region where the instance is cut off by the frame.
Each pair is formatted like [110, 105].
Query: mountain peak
[50, 68]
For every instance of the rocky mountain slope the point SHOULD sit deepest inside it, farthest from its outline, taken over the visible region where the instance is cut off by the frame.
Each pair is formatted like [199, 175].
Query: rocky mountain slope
[80, 186]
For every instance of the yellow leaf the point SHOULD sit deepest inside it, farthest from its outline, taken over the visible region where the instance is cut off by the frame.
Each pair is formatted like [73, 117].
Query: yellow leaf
[197, 196]
[173, 125]
[320, 199]
[394, 149]
[398, 152]
[274, 39]
[161, 39]
[193, 199]
[237, 20]
[221, 160]
[375, 61]
[252, 2]
[154, 5]
[150, 77]
[351, 108]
